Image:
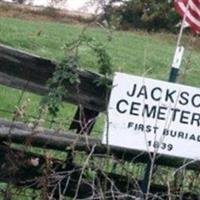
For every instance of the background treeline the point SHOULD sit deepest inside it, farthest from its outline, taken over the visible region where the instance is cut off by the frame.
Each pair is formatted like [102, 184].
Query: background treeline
[150, 15]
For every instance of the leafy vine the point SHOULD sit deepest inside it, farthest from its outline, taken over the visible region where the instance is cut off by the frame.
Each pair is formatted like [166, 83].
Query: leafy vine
[65, 73]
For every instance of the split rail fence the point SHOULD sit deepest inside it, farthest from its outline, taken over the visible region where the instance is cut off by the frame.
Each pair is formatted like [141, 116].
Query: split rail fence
[22, 70]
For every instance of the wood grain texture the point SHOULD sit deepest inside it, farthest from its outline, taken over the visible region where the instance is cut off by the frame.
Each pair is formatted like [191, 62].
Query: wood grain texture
[21, 70]
[17, 132]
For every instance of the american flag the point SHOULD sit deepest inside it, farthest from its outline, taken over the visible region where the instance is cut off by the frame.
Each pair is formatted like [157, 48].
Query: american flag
[191, 10]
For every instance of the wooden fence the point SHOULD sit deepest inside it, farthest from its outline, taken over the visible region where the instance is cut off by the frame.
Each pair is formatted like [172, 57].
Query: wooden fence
[25, 71]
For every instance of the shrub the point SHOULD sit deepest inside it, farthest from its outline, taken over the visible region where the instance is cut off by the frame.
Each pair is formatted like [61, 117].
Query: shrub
[151, 15]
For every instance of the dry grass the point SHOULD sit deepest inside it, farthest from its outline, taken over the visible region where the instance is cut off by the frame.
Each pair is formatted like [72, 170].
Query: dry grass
[42, 13]
[133, 52]
[64, 16]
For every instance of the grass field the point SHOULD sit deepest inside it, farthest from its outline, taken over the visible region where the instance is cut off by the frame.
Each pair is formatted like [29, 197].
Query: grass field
[136, 52]
[132, 52]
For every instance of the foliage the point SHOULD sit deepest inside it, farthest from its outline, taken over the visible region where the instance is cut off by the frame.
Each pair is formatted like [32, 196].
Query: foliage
[62, 75]
[19, 1]
[65, 72]
[128, 52]
[99, 49]
[151, 15]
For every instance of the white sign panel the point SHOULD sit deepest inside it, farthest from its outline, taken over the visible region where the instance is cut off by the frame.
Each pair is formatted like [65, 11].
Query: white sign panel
[155, 116]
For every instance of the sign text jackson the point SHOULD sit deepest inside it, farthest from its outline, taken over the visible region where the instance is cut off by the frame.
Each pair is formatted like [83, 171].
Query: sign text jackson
[152, 115]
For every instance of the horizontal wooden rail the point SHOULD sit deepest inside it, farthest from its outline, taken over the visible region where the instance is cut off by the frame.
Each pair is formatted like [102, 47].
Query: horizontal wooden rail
[18, 132]
[19, 169]
[21, 70]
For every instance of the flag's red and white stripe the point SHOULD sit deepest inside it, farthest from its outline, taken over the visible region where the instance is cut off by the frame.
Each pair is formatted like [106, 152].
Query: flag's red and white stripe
[191, 10]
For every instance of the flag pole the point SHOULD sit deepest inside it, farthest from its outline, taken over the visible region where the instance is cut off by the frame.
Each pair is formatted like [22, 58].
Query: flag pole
[172, 78]
[178, 51]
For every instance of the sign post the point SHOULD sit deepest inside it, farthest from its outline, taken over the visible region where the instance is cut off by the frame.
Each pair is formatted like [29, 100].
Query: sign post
[153, 116]
[179, 49]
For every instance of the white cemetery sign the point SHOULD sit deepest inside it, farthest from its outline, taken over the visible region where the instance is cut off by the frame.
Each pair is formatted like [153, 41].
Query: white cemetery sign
[156, 116]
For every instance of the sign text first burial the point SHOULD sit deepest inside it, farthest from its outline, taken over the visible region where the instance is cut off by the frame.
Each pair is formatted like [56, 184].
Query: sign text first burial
[152, 115]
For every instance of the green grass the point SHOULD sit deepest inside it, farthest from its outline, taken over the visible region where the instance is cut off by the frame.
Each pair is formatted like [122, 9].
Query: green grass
[132, 52]
[137, 53]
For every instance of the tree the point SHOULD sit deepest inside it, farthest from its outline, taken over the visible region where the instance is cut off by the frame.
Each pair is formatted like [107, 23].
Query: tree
[19, 1]
[142, 14]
